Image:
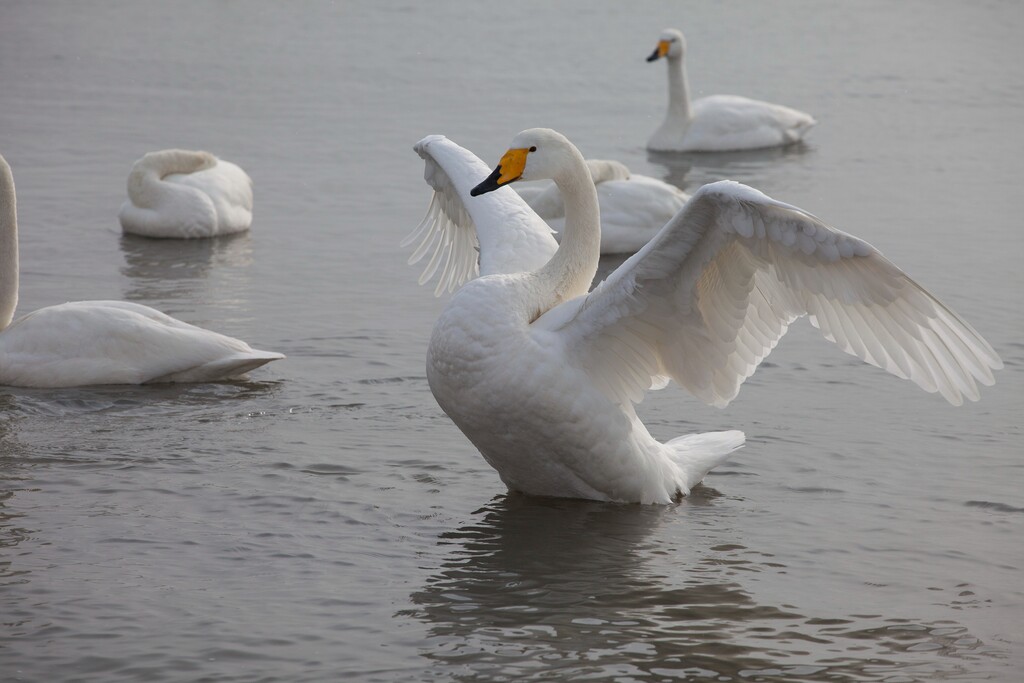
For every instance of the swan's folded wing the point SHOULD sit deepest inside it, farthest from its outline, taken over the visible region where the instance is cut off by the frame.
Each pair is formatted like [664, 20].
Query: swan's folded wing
[709, 297]
[500, 226]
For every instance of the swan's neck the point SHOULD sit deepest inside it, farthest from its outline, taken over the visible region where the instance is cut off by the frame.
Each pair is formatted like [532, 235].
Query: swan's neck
[678, 92]
[8, 246]
[144, 186]
[571, 270]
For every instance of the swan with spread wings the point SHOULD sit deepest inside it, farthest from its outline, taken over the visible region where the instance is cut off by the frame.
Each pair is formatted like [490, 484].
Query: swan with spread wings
[542, 375]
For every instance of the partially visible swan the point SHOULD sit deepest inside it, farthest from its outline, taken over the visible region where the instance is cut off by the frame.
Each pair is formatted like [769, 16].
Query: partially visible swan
[181, 194]
[720, 122]
[102, 342]
[542, 376]
[633, 207]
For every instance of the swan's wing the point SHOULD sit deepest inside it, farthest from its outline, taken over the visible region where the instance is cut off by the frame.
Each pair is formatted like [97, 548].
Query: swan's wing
[225, 182]
[709, 297]
[733, 122]
[508, 235]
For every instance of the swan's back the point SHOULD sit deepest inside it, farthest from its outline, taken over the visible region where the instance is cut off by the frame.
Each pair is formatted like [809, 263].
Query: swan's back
[117, 342]
[230, 190]
[731, 122]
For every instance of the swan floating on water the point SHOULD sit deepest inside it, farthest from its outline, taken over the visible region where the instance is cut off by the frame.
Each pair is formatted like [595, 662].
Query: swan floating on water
[633, 207]
[718, 123]
[541, 375]
[181, 194]
[102, 342]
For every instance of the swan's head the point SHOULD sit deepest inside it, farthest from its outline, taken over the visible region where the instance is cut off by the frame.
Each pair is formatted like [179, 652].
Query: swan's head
[671, 44]
[535, 154]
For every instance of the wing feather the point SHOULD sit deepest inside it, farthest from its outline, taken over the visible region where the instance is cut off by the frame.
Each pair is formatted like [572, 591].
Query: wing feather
[469, 236]
[713, 293]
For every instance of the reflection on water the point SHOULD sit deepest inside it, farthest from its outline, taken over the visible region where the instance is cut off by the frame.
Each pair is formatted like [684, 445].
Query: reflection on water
[182, 269]
[164, 400]
[745, 166]
[12, 476]
[569, 590]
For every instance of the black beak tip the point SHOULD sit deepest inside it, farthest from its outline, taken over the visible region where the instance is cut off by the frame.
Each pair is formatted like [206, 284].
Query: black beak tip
[653, 57]
[488, 184]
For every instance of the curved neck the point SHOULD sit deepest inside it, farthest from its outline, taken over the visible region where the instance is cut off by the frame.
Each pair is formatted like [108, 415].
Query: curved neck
[8, 246]
[571, 270]
[144, 186]
[678, 91]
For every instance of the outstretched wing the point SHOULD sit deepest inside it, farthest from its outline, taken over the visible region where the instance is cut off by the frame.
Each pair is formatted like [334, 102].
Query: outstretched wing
[499, 226]
[711, 295]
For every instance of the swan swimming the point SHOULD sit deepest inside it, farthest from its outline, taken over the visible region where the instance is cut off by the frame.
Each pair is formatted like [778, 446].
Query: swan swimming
[182, 194]
[541, 375]
[718, 123]
[633, 207]
[102, 342]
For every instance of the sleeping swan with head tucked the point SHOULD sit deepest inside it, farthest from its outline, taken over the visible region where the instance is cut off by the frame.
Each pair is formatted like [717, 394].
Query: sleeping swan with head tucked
[102, 342]
[181, 194]
[542, 376]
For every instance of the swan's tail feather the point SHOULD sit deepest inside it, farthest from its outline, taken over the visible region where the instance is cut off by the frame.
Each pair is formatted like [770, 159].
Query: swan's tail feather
[697, 454]
[232, 367]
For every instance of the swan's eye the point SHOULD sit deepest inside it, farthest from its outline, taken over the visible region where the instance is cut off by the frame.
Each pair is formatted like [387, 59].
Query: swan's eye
[534, 148]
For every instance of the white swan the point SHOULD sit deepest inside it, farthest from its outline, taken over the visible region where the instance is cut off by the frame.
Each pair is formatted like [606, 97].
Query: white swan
[102, 342]
[542, 376]
[720, 122]
[181, 194]
[633, 206]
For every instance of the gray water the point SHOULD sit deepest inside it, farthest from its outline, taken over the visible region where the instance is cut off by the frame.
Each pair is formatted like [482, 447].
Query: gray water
[325, 521]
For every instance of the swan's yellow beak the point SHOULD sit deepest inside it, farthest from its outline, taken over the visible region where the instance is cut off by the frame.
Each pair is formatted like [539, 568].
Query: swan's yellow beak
[659, 51]
[508, 170]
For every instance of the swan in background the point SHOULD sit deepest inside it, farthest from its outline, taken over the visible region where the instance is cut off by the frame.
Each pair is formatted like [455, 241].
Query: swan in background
[718, 123]
[181, 194]
[102, 342]
[633, 207]
[542, 376]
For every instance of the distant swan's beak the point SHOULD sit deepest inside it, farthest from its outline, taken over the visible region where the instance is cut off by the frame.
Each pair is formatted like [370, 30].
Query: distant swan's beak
[508, 170]
[659, 51]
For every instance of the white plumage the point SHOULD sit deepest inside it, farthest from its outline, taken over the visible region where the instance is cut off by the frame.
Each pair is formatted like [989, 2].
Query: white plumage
[102, 342]
[499, 235]
[633, 206]
[182, 194]
[720, 122]
[542, 376]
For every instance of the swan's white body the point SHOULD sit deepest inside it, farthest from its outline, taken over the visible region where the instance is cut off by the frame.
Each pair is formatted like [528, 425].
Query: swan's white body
[181, 194]
[633, 207]
[102, 342]
[720, 122]
[542, 376]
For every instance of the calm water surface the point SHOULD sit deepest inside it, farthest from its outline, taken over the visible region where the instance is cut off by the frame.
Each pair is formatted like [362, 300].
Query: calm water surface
[325, 521]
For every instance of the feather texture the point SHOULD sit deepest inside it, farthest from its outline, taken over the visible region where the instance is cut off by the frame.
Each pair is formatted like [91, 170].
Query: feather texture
[712, 294]
[500, 233]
